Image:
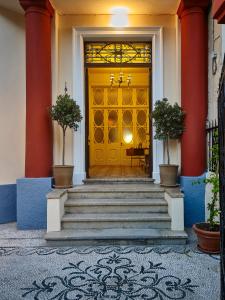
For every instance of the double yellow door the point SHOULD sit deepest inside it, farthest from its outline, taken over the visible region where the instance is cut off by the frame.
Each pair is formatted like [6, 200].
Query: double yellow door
[118, 120]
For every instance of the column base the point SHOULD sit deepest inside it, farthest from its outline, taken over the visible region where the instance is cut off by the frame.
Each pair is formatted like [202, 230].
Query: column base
[194, 199]
[7, 203]
[32, 202]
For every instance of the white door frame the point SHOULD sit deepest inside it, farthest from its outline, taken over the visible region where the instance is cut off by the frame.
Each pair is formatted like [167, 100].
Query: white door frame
[78, 85]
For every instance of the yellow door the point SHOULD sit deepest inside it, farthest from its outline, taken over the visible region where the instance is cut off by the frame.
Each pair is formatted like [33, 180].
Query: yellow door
[113, 133]
[118, 120]
[134, 121]
[97, 127]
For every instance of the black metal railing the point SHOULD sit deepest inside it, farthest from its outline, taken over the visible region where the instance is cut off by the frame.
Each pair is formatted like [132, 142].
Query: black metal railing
[221, 135]
[212, 141]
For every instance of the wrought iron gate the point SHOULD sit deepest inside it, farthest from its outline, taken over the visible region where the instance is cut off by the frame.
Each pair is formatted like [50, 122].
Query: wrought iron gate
[221, 120]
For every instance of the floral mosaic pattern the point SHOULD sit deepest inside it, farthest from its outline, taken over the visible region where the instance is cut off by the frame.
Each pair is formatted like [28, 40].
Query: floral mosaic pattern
[111, 277]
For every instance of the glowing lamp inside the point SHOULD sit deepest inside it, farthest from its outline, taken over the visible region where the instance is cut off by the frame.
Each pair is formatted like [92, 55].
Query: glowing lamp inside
[119, 17]
[128, 138]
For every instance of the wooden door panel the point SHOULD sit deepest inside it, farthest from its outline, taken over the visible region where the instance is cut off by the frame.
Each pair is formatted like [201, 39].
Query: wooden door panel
[118, 120]
[113, 156]
[97, 134]
[113, 139]
[98, 156]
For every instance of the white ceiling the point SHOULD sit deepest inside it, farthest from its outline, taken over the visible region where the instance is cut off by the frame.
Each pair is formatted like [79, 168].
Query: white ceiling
[104, 6]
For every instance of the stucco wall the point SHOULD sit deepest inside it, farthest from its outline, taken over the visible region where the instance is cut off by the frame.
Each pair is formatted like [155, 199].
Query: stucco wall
[170, 54]
[215, 48]
[12, 96]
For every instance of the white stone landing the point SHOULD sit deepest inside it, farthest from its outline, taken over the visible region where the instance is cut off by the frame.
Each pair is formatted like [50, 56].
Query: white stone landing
[118, 236]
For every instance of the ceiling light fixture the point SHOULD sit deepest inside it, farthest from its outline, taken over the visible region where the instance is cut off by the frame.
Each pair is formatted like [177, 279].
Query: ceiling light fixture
[119, 17]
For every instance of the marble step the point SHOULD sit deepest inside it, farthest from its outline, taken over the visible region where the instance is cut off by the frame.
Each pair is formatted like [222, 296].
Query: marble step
[134, 236]
[116, 220]
[122, 180]
[116, 205]
[120, 191]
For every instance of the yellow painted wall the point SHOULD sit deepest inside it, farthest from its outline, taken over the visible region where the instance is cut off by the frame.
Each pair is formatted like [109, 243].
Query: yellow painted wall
[168, 22]
[12, 96]
[170, 55]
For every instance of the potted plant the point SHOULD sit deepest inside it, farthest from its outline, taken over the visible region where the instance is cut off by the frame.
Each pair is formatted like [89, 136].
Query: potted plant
[208, 233]
[169, 124]
[67, 114]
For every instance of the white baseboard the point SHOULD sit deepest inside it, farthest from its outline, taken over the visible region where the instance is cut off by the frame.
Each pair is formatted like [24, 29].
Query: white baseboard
[156, 177]
[78, 178]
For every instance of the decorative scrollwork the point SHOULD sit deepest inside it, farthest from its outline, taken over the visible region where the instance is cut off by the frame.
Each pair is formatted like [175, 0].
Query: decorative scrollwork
[103, 250]
[112, 277]
[117, 53]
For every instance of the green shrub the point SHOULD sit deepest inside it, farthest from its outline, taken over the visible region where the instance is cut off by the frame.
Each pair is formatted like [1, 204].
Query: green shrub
[67, 114]
[168, 122]
[214, 181]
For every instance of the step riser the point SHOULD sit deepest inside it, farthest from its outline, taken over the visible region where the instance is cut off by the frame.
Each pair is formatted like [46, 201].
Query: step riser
[116, 242]
[117, 236]
[116, 209]
[108, 224]
[115, 195]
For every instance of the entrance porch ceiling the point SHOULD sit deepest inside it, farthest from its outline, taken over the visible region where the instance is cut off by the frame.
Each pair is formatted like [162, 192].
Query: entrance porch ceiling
[154, 7]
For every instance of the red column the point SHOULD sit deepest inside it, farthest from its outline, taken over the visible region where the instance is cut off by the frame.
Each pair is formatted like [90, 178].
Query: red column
[218, 11]
[194, 92]
[39, 142]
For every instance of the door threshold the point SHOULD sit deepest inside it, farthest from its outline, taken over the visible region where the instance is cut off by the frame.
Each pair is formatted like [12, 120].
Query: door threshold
[119, 180]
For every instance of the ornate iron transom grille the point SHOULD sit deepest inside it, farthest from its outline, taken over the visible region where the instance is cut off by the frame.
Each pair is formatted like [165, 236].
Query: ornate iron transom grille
[117, 53]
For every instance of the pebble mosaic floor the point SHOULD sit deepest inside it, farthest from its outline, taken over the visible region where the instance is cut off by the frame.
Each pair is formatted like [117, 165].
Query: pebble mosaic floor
[104, 272]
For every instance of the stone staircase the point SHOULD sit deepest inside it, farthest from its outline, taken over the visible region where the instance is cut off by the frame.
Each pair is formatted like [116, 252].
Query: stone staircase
[116, 212]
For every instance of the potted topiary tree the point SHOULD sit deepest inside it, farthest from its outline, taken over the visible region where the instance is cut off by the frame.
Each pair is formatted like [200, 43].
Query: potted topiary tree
[208, 233]
[169, 124]
[67, 114]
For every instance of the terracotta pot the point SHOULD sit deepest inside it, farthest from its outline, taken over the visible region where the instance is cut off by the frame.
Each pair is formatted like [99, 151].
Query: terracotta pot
[208, 241]
[63, 176]
[168, 175]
